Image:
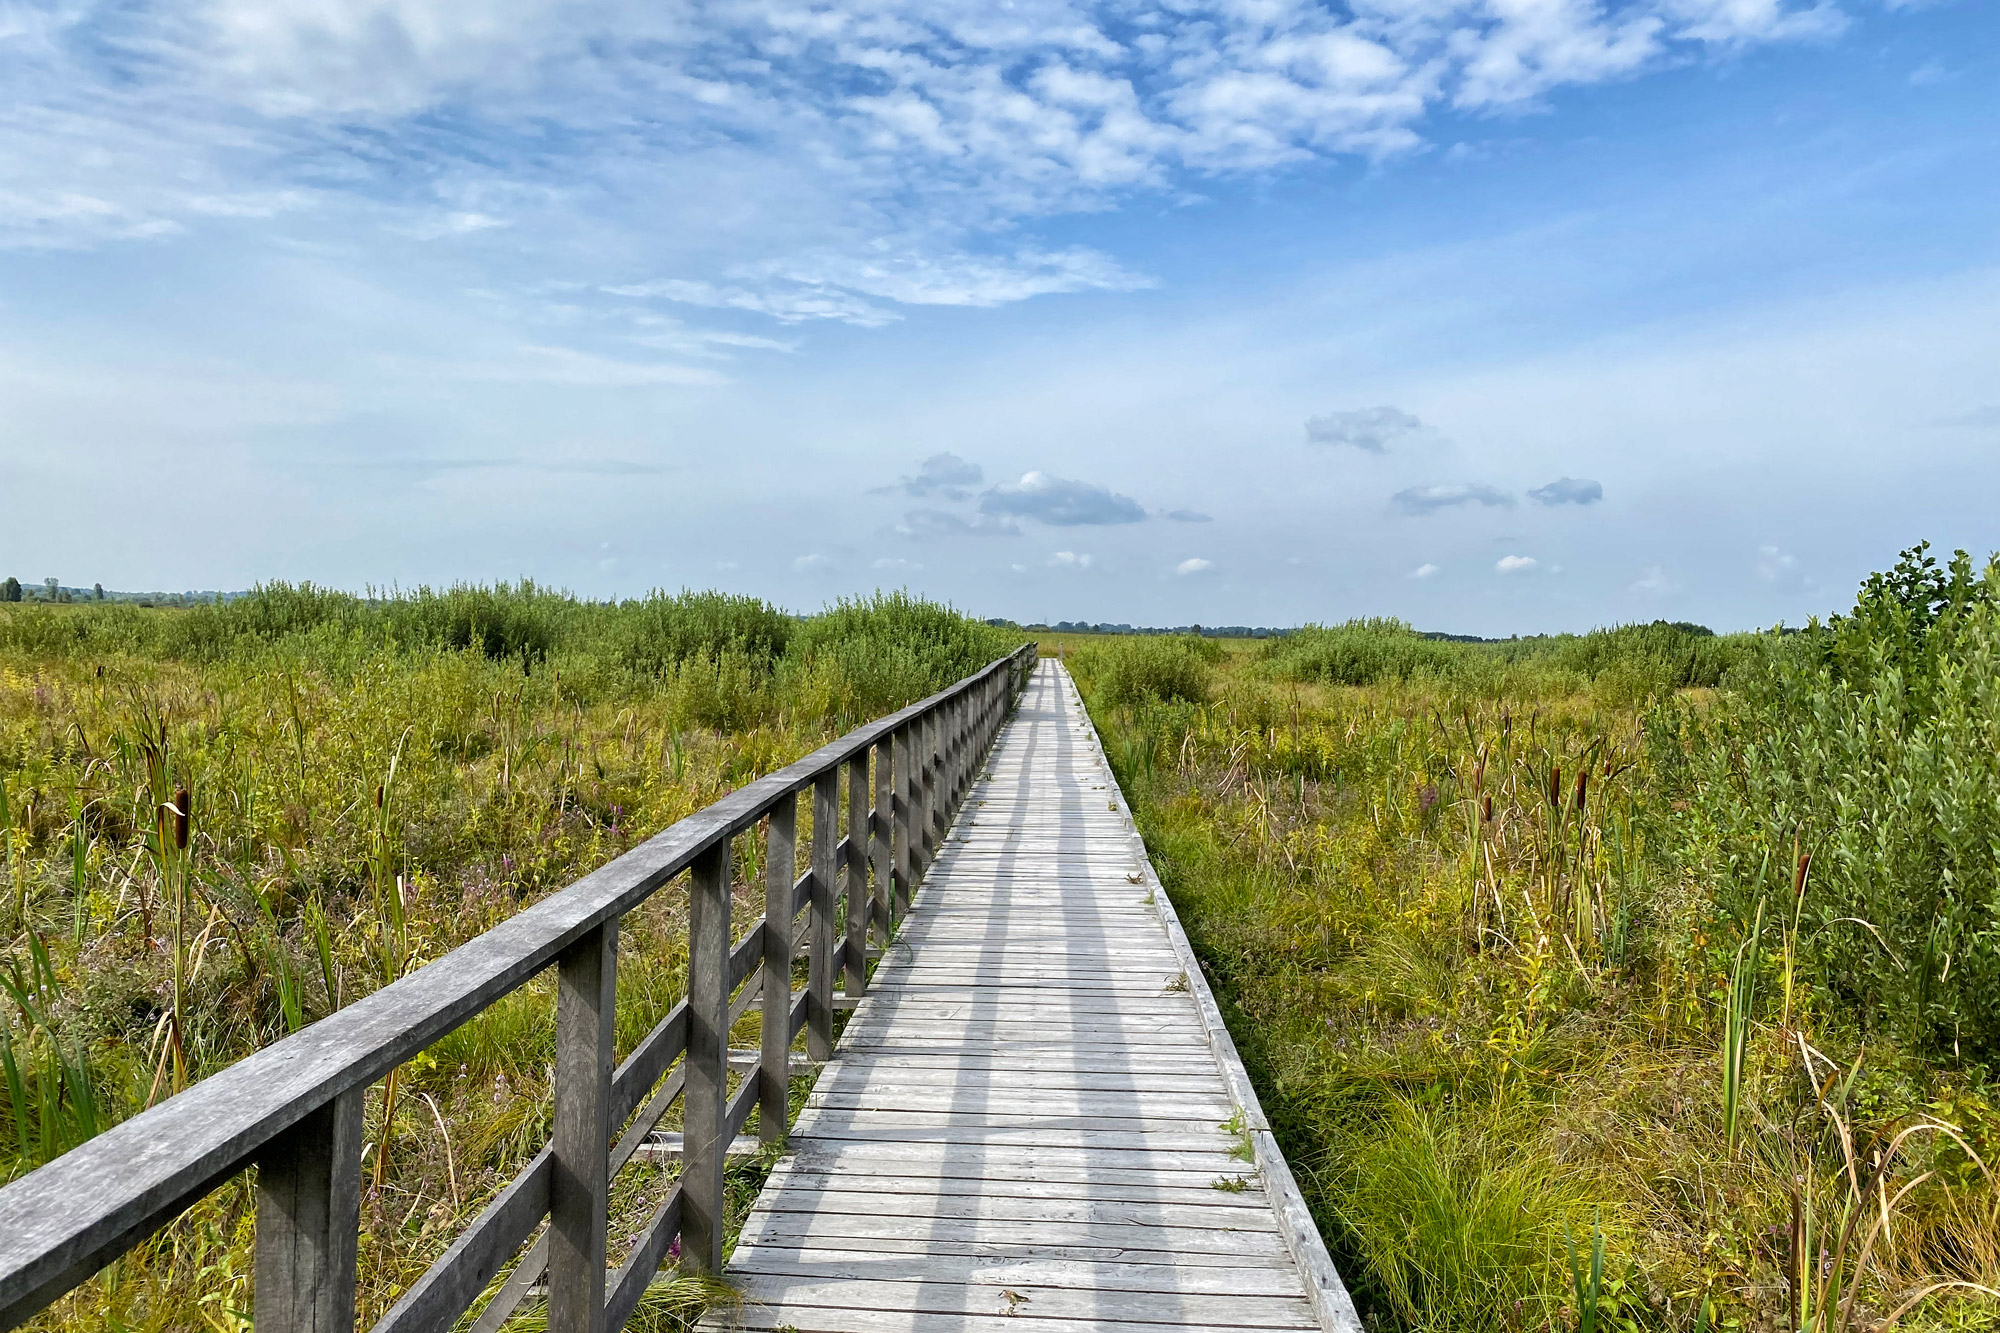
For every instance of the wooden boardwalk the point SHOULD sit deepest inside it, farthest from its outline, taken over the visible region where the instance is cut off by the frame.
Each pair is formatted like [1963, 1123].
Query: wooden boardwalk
[1034, 1119]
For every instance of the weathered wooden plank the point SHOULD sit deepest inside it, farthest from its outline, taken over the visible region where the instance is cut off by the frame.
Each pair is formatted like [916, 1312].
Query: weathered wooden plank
[1042, 1303]
[1026, 1274]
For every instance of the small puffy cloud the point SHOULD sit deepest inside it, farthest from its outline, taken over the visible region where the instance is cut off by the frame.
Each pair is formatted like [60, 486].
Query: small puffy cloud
[944, 475]
[1568, 491]
[1060, 502]
[890, 562]
[1370, 429]
[1189, 516]
[1430, 499]
[1515, 564]
[807, 563]
[1781, 569]
[1193, 565]
[1427, 570]
[1068, 560]
[1653, 582]
[931, 523]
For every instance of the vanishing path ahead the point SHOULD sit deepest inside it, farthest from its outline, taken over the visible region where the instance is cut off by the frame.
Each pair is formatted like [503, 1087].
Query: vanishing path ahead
[1034, 1120]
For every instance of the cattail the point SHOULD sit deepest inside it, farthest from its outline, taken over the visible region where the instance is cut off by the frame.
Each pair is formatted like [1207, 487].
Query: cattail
[1582, 788]
[1799, 875]
[1556, 785]
[1479, 774]
[183, 816]
[1486, 810]
[378, 796]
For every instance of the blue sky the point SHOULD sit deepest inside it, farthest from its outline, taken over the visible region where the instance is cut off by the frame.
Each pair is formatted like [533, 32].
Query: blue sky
[1497, 315]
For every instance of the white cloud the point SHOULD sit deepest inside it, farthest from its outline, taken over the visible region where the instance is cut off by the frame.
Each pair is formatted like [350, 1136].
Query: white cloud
[1417, 500]
[1369, 429]
[1060, 502]
[890, 562]
[1193, 565]
[811, 164]
[1515, 564]
[1425, 571]
[1069, 560]
[808, 563]
[1653, 582]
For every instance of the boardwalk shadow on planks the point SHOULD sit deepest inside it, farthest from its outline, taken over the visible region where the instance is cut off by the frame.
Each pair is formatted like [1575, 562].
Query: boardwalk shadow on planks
[1024, 1120]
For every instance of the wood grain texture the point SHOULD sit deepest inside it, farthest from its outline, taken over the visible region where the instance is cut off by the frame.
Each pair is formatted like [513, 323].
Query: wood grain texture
[1026, 1118]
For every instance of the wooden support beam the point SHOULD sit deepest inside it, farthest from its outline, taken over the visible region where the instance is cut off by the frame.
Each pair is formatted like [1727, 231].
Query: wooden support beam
[308, 1219]
[580, 1185]
[705, 1100]
[774, 1064]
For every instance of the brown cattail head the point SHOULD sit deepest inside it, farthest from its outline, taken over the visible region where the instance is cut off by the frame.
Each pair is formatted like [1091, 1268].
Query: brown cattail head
[1582, 788]
[1556, 785]
[1486, 810]
[378, 796]
[1799, 875]
[183, 817]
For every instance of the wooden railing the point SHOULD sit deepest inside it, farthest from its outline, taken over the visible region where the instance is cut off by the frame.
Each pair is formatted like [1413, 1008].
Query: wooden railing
[294, 1109]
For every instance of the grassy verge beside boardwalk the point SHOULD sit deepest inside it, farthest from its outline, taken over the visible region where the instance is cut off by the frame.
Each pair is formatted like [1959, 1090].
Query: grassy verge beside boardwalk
[1634, 940]
[219, 824]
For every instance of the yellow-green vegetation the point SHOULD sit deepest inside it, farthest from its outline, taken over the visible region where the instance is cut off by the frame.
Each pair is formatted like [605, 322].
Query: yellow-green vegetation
[218, 824]
[1635, 980]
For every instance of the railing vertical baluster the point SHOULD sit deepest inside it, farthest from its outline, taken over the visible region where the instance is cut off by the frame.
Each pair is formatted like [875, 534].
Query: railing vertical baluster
[903, 824]
[825, 868]
[308, 1218]
[881, 838]
[934, 801]
[704, 1145]
[579, 1188]
[857, 874]
[774, 1065]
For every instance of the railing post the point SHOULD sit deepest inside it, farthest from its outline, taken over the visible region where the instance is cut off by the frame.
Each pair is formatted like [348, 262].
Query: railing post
[857, 874]
[704, 1149]
[926, 790]
[774, 1065]
[308, 1220]
[934, 805]
[825, 868]
[903, 750]
[881, 832]
[579, 1188]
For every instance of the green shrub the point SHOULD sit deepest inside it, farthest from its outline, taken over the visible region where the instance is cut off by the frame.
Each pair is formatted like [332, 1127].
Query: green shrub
[1361, 652]
[1126, 671]
[661, 632]
[1871, 744]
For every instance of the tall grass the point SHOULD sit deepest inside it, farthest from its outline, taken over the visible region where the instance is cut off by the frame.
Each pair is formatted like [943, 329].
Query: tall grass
[222, 823]
[1482, 916]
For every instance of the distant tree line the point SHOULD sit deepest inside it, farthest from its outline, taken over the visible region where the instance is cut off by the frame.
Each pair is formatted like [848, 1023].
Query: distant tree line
[53, 590]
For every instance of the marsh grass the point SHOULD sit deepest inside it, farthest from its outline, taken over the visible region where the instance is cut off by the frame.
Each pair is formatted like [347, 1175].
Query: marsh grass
[220, 824]
[1487, 931]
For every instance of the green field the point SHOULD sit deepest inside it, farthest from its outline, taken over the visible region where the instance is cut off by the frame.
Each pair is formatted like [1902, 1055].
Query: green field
[1679, 945]
[220, 823]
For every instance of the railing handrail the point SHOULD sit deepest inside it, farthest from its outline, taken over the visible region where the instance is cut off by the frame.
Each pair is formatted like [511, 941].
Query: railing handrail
[64, 1221]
